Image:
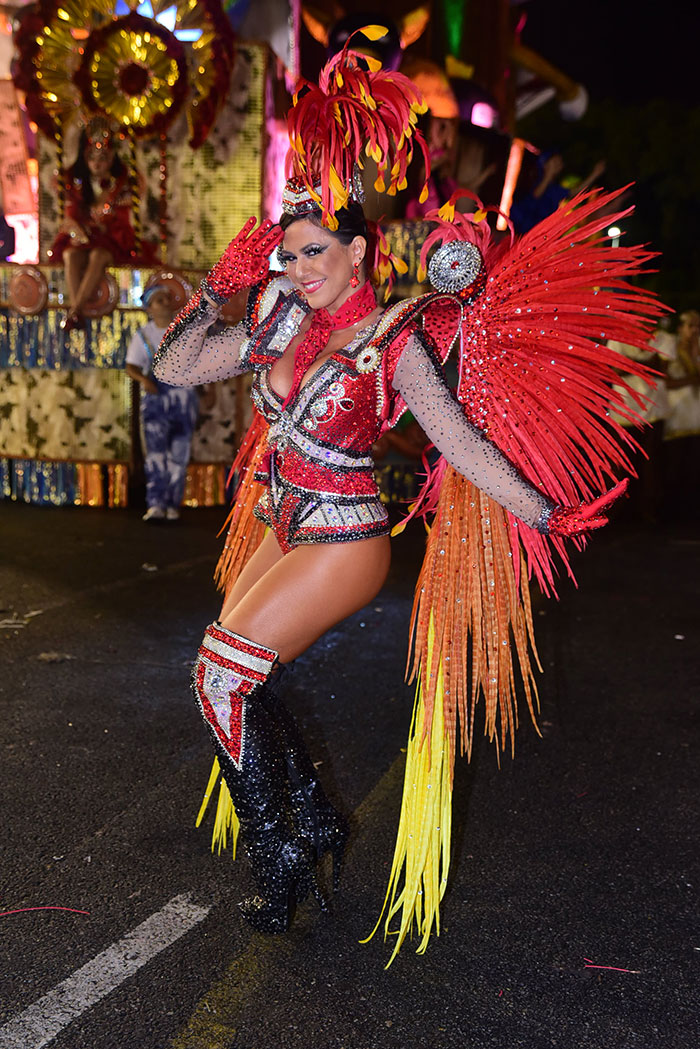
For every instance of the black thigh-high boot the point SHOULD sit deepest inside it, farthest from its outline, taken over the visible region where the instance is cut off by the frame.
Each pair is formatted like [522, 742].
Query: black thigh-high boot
[228, 682]
[315, 817]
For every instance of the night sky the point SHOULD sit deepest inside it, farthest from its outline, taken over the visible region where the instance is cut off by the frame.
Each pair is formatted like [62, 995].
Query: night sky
[630, 51]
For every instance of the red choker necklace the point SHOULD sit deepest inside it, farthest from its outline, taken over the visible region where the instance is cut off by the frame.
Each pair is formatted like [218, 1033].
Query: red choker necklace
[360, 304]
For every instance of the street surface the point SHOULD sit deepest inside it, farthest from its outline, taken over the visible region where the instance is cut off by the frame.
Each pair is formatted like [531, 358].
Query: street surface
[571, 920]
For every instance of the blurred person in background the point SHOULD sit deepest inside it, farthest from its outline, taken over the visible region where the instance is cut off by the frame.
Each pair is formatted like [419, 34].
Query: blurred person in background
[168, 413]
[646, 493]
[97, 230]
[682, 434]
[541, 191]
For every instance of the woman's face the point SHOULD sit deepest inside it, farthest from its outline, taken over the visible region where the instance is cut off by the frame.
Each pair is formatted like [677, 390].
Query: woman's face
[318, 265]
[99, 160]
[442, 141]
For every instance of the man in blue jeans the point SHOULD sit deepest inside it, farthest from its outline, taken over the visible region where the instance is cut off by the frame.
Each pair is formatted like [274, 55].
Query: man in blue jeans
[168, 413]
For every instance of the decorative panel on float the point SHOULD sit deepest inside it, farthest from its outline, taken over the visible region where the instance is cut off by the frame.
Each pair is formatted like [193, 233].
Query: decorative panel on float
[210, 191]
[65, 415]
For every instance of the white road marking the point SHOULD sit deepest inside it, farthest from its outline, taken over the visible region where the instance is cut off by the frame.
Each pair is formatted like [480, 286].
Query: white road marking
[45, 1019]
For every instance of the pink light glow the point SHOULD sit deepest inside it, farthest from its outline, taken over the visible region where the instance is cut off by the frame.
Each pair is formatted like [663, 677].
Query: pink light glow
[484, 115]
[26, 226]
[275, 154]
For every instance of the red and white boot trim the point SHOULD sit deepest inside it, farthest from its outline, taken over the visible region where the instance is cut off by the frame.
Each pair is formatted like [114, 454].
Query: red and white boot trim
[228, 668]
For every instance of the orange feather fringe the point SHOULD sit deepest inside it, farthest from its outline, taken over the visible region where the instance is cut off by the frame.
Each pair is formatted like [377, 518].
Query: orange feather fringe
[245, 532]
[478, 603]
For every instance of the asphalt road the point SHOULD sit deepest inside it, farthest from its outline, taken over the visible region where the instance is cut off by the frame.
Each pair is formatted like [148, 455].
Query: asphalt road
[571, 920]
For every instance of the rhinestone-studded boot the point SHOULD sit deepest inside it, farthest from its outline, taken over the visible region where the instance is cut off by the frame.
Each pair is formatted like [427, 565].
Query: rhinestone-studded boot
[315, 817]
[282, 860]
[228, 680]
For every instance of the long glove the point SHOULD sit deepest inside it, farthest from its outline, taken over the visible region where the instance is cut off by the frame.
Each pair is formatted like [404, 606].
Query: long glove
[572, 520]
[244, 262]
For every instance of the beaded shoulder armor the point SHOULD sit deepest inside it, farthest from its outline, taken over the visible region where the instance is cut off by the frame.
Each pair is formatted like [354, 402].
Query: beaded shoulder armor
[273, 315]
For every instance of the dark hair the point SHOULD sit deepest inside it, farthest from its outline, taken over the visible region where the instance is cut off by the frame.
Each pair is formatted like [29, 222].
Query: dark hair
[80, 171]
[351, 223]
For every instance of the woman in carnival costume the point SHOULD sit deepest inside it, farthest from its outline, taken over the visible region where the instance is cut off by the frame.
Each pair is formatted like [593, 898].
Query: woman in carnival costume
[97, 230]
[527, 453]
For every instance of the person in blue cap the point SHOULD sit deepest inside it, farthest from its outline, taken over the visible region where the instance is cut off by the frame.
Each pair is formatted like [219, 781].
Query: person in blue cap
[168, 413]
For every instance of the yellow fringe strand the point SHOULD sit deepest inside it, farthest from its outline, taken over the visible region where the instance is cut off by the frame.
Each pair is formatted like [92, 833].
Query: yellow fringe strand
[471, 626]
[423, 841]
[226, 821]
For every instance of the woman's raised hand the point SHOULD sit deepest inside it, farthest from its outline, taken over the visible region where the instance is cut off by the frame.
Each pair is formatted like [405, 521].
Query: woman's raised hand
[244, 263]
[573, 520]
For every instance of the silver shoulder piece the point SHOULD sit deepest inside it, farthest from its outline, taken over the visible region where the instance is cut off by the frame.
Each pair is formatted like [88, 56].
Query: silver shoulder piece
[455, 266]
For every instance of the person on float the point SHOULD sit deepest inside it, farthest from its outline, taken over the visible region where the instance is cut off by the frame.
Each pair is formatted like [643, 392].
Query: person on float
[168, 413]
[97, 230]
[333, 370]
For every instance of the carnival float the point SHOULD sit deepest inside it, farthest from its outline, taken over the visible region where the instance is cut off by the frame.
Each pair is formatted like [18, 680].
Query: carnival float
[190, 97]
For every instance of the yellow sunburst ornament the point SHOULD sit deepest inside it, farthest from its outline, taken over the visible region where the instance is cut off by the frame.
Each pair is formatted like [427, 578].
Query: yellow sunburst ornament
[138, 70]
[134, 72]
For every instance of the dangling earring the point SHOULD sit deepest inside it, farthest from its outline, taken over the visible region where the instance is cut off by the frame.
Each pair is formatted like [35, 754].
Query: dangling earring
[355, 279]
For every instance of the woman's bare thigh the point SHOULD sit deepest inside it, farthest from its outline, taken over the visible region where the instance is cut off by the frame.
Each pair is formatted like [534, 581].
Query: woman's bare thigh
[266, 555]
[308, 591]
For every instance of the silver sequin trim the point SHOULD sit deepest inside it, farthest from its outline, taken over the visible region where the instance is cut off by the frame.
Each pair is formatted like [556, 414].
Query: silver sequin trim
[455, 266]
[284, 432]
[543, 520]
[334, 515]
[230, 651]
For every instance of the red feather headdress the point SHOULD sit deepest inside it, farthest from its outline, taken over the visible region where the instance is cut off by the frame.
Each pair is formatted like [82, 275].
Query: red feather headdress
[357, 110]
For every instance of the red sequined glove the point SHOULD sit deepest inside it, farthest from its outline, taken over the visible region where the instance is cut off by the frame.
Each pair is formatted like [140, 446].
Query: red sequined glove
[572, 520]
[244, 263]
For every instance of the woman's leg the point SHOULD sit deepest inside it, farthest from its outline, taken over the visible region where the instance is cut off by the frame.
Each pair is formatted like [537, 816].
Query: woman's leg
[308, 591]
[74, 263]
[288, 607]
[266, 555]
[291, 602]
[98, 259]
[301, 596]
[154, 438]
[181, 411]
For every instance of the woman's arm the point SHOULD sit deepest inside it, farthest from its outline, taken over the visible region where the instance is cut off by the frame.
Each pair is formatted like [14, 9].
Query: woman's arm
[419, 380]
[188, 355]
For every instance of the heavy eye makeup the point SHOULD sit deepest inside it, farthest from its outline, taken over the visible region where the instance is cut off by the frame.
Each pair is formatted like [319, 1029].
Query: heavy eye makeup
[310, 250]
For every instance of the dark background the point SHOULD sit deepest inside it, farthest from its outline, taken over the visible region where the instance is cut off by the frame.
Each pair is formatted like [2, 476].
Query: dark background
[639, 64]
[623, 51]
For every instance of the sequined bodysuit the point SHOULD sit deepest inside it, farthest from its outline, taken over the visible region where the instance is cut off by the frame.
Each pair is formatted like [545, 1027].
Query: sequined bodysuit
[319, 470]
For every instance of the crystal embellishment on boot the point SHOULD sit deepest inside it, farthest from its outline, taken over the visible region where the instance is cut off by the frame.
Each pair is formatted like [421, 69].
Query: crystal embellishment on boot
[227, 669]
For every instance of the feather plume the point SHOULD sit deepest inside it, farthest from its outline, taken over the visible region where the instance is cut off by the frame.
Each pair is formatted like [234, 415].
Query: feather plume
[357, 110]
[536, 376]
[536, 373]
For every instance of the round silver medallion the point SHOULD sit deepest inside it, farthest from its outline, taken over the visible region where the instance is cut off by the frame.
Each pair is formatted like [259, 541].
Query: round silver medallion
[454, 266]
